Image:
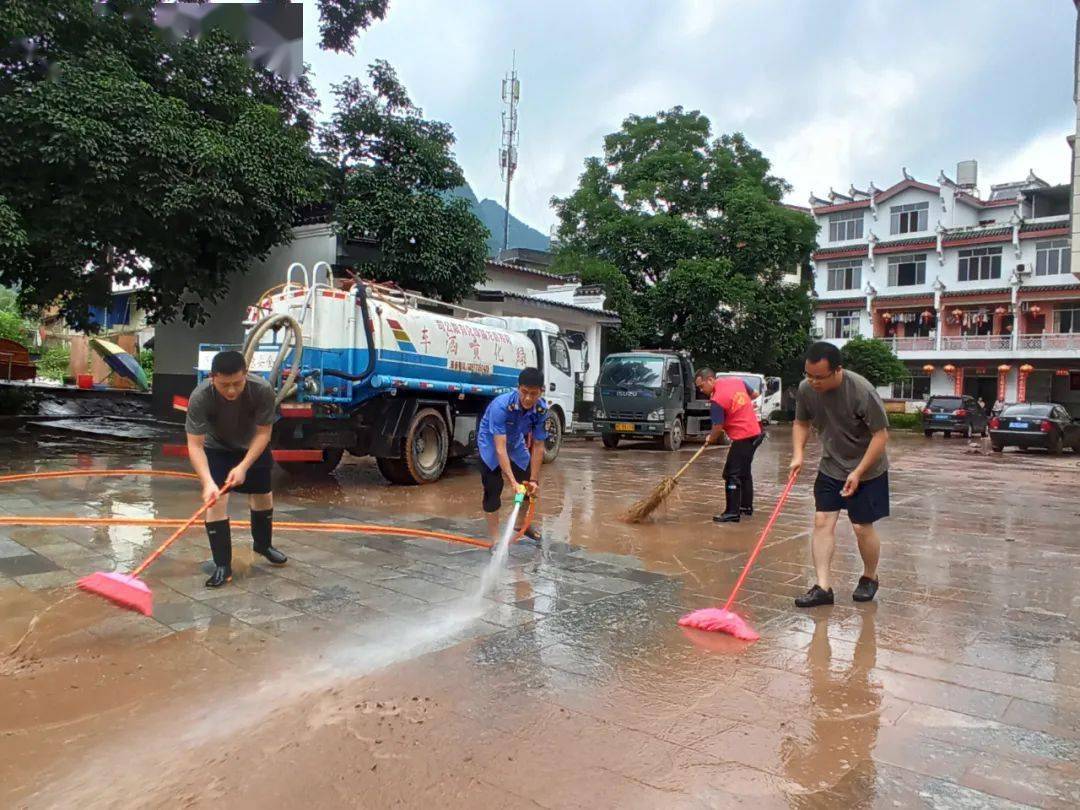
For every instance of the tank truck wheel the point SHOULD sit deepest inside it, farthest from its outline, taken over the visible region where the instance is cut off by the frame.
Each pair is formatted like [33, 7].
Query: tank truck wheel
[553, 444]
[611, 440]
[394, 470]
[314, 469]
[427, 445]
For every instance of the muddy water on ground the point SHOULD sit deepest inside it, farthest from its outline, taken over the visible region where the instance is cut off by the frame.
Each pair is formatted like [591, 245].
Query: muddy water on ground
[959, 687]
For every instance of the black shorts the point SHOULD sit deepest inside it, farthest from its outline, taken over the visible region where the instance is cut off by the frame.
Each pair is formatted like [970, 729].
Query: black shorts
[257, 481]
[493, 484]
[869, 504]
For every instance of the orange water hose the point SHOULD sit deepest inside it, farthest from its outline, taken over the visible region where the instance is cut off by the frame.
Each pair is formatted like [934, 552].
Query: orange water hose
[358, 528]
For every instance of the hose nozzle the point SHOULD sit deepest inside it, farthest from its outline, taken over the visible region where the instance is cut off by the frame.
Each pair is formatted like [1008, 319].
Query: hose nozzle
[519, 495]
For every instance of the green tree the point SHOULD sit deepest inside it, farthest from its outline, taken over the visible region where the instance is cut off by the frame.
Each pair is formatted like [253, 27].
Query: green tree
[873, 359]
[13, 326]
[341, 20]
[618, 296]
[54, 363]
[694, 226]
[146, 360]
[389, 169]
[125, 155]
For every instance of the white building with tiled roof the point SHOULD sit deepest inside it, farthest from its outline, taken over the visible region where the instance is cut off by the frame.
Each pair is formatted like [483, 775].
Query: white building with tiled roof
[976, 295]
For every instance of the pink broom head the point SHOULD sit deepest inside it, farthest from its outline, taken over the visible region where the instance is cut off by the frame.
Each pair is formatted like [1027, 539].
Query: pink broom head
[122, 589]
[718, 620]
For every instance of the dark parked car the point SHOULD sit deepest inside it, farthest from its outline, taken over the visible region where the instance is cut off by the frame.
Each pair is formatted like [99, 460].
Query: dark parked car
[953, 414]
[1035, 424]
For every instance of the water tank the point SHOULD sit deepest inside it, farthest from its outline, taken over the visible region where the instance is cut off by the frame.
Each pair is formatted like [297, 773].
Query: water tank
[967, 173]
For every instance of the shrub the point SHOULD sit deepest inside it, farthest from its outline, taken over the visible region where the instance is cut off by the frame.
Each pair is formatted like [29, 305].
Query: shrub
[146, 360]
[54, 363]
[905, 421]
[873, 359]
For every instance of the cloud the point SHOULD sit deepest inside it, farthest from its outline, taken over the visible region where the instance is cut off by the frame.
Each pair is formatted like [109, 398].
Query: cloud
[1047, 154]
[832, 93]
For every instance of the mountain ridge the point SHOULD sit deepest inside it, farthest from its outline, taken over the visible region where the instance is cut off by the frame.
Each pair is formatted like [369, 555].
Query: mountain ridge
[492, 214]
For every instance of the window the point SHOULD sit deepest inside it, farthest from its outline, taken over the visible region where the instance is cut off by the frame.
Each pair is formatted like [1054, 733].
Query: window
[910, 218]
[1052, 258]
[842, 323]
[845, 226]
[907, 270]
[845, 275]
[1067, 320]
[980, 264]
[912, 388]
[560, 355]
[625, 371]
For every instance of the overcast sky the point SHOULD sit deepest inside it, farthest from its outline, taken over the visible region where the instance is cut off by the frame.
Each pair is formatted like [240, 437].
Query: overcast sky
[833, 92]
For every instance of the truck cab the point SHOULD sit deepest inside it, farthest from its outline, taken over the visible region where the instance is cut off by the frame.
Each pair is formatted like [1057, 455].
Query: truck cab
[555, 360]
[649, 395]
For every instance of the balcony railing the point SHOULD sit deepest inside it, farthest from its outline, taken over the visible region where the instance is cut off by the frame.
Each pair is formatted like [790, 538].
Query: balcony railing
[1049, 341]
[977, 343]
[910, 344]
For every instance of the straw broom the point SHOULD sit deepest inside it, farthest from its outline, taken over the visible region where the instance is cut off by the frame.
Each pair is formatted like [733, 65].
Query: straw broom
[647, 505]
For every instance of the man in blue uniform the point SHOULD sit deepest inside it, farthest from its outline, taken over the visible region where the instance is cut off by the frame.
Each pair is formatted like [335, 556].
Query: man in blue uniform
[501, 439]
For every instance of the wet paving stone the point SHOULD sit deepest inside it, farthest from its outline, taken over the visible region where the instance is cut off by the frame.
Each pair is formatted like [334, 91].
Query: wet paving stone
[571, 678]
[26, 564]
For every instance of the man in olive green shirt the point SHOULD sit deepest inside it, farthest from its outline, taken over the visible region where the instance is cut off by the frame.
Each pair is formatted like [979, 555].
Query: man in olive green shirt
[850, 420]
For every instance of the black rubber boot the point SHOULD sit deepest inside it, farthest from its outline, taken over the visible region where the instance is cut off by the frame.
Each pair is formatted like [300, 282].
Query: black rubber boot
[262, 532]
[220, 536]
[747, 503]
[734, 500]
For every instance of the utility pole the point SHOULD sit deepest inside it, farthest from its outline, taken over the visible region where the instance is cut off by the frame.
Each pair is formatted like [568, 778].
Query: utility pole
[508, 153]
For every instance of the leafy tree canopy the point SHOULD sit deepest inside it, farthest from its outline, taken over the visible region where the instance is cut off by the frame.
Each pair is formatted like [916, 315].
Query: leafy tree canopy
[126, 156]
[391, 171]
[873, 359]
[342, 20]
[693, 226]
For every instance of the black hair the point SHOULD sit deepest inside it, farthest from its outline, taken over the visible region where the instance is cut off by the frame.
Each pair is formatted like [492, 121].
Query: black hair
[704, 373]
[823, 350]
[229, 362]
[531, 378]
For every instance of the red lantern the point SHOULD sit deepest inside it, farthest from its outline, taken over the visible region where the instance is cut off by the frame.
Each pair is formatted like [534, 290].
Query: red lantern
[949, 368]
[1000, 311]
[1004, 368]
[927, 315]
[1035, 310]
[886, 316]
[1061, 372]
[1027, 368]
[928, 368]
[957, 313]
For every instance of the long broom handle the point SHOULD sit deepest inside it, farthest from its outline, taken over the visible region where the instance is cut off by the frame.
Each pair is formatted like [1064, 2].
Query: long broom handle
[172, 538]
[761, 540]
[693, 458]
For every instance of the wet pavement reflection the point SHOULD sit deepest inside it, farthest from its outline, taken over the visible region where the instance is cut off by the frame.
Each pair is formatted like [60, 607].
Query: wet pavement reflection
[363, 673]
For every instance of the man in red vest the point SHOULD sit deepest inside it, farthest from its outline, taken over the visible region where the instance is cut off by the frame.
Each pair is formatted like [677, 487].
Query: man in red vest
[733, 412]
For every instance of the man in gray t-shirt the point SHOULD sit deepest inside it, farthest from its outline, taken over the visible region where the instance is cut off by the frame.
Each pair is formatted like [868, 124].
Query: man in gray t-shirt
[230, 418]
[850, 420]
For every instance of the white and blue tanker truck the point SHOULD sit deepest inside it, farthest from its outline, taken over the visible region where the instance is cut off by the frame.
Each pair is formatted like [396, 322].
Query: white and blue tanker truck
[370, 369]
